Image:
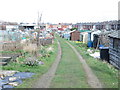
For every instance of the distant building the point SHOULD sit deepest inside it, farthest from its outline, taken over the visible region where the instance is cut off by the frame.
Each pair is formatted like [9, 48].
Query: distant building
[118, 25]
[12, 27]
[27, 26]
[2, 27]
[108, 25]
[84, 26]
[5, 25]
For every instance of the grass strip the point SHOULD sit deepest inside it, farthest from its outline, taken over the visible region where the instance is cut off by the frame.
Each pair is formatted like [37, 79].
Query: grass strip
[106, 73]
[70, 73]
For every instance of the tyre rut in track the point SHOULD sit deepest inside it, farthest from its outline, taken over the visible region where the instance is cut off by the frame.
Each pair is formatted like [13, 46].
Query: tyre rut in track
[45, 79]
[91, 78]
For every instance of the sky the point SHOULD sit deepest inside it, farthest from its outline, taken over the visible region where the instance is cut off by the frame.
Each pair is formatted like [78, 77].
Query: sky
[59, 11]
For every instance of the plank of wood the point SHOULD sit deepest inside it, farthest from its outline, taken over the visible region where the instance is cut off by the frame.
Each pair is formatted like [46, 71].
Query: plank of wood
[5, 57]
[3, 63]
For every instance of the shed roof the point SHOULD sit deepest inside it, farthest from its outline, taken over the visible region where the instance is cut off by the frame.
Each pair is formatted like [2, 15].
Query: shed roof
[84, 30]
[74, 31]
[115, 34]
[61, 29]
[98, 32]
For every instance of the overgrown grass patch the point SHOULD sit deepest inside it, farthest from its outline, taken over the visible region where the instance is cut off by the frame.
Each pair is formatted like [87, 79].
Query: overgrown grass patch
[105, 72]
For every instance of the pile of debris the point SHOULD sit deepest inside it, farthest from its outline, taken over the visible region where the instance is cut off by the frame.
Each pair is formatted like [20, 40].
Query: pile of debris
[11, 79]
[95, 54]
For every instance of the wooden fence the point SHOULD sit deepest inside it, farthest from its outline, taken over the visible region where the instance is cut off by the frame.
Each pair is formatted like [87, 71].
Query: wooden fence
[46, 41]
[10, 46]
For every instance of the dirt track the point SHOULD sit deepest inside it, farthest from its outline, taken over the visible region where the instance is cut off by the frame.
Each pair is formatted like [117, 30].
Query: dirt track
[45, 80]
[91, 78]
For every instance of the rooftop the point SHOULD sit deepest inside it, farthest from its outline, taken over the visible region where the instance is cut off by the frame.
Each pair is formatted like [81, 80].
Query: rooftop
[115, 34]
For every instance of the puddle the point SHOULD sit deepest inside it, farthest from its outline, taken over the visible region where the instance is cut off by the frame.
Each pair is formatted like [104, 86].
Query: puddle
[15, 80]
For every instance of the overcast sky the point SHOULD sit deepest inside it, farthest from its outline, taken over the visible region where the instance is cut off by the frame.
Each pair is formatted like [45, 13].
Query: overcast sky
[55, 11]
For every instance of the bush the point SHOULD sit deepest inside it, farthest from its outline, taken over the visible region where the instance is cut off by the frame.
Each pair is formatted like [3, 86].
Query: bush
[73, 29]
[31, 61]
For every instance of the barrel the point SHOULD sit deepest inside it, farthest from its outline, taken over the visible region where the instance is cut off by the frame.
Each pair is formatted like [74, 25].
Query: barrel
[90, 44]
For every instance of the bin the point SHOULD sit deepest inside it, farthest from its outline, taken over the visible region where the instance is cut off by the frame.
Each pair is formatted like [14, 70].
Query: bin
[90, 44]
[104, 53]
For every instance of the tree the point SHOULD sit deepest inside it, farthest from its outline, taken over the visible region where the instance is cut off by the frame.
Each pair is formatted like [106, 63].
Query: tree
[73, 29]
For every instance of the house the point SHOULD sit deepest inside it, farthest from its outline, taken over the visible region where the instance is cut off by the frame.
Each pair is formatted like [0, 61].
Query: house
[60, 29]
[75, 35]
[84, 26]
[28, 26]
[118, 25]
[114, 48]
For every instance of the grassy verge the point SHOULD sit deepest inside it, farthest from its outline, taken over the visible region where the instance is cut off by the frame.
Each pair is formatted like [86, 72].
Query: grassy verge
[38, 70]
[106, 73]
[69, 73]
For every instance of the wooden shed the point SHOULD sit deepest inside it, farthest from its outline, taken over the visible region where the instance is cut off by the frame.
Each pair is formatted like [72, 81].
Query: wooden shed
[84, 37]
[75, 35]
[114, 49]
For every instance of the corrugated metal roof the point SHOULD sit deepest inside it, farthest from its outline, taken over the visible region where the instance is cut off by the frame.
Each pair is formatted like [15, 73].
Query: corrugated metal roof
[84, 30]
[61, 29]
[74, 31]
[115, 34]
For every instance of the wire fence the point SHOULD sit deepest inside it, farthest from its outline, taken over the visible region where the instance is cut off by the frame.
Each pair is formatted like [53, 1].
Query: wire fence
[9, 41]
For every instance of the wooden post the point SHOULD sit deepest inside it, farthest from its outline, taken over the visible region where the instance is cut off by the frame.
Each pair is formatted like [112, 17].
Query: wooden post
[98, 43]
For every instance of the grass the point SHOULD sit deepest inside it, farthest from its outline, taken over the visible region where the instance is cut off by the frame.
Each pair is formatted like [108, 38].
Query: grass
[69, 73]
[38, 70]
[106, 73]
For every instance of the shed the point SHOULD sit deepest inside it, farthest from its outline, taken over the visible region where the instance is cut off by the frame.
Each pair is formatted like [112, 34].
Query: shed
[95, 37]
[95, 32]
[101, 39]
[84, 37]
[66, 36]
[75, 35]
[114, 49]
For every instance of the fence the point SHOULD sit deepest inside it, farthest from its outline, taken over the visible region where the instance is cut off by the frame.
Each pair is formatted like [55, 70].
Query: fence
[46, 41]
[10, 46]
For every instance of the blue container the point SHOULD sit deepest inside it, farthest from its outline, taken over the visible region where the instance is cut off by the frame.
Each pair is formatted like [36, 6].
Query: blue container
[101, 46]
[90, 44]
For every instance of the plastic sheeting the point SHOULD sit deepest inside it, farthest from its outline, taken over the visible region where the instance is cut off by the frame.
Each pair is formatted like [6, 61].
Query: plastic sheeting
[4, 83]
